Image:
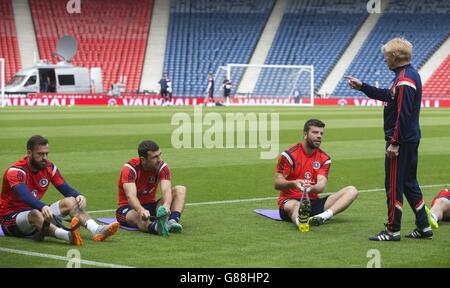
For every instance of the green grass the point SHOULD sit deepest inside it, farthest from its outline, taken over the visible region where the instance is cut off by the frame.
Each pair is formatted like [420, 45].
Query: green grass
[90, 145]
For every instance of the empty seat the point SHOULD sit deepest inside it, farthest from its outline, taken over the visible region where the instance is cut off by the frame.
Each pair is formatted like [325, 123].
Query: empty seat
[110, 34]
[9, 48]
[205, 34]
[438, 86]
[426, 25]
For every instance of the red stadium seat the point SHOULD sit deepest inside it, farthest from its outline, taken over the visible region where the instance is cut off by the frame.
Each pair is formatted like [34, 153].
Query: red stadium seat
[438, 86]
[9, 49]
[112, 36]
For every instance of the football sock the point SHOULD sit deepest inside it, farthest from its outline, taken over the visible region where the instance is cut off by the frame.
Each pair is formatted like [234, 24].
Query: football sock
[175, 215]
[434, 216]
[62, 234]
[326, 215]
[92, 226]
[153, 228]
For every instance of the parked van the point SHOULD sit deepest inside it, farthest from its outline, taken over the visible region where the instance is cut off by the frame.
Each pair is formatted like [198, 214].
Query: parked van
[61, 78]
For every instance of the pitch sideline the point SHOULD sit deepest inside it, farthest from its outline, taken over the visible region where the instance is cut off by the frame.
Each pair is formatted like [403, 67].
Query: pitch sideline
[61, 258]
[267, 198]
[109, 265]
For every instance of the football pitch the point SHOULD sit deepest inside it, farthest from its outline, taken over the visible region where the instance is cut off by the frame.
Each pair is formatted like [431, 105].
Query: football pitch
[90, 145]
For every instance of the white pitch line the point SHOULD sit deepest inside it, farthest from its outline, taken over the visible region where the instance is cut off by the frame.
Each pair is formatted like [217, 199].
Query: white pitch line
[94, 263]
[268, 198]
[62, 258]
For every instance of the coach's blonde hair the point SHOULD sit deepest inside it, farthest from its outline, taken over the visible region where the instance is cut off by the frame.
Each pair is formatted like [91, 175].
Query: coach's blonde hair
[399, 49]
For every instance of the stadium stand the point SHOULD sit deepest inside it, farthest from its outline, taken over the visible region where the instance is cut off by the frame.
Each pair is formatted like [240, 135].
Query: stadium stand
[9, 49]
[206, 34]
[425, 24]
[312, 33]
[438, 86]
[110, 34]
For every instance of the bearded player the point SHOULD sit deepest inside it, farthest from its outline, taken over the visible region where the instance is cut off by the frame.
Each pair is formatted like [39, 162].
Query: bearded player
[302, 171]
[22, 213]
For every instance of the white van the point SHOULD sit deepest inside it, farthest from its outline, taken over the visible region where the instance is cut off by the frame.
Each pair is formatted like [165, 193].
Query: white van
[61, 78]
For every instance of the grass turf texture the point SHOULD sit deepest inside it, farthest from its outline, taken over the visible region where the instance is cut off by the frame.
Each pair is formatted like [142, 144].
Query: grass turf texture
[90, 145]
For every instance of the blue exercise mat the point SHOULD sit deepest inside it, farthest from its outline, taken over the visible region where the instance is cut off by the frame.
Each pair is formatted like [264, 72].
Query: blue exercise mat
[272, 214]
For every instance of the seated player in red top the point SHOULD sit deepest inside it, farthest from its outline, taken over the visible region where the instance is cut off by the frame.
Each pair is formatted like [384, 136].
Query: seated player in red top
[440, 208]
[22, 214]
[304, 168]
[138, 184]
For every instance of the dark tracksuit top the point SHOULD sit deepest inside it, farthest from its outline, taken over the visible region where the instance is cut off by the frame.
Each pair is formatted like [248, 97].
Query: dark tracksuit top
[402, 105]
[401, 127]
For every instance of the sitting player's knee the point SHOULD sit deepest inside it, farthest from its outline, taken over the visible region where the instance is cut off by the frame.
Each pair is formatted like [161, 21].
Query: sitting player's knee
[35, 218]
[180, 190]
[35, 215]
[68, 204]
[352, 192]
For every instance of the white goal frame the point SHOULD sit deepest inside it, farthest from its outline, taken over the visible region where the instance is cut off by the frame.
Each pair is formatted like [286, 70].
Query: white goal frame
[246, 78]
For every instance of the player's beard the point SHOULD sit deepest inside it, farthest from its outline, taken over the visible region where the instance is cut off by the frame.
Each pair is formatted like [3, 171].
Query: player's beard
[38, 165]
[311, 144]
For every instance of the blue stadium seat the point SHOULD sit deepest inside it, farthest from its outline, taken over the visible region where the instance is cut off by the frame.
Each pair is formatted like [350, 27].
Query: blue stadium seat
[425, 24]
[311, 33]
[206, 34]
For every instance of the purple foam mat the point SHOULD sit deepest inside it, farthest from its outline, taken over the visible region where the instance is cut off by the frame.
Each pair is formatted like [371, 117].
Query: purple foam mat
[111, 220]
[1, 232]
[272, 214]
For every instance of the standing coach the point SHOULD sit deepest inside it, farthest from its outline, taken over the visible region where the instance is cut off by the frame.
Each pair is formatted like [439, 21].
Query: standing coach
[402, 135]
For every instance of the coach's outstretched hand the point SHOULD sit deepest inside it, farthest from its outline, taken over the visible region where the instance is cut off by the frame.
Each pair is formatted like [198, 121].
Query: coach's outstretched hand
[353, 82]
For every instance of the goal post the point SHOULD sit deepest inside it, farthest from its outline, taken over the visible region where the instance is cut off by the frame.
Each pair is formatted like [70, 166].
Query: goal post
[276, 84]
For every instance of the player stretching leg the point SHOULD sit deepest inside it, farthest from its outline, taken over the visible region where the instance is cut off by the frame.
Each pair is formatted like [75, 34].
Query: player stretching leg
[138, 184]
[22, 214]
[440, 209]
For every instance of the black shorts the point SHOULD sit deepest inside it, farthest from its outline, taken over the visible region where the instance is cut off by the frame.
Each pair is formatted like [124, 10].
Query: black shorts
[9, 225]
[164, 93]
[122, 211]
[317, 207]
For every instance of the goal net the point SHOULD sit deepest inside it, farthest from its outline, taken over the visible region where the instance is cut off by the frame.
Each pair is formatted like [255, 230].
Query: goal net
[268, 84]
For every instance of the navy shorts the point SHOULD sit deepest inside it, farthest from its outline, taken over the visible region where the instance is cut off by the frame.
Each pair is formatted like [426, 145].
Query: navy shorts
[9, 225]
[122, 211]
[317, 207]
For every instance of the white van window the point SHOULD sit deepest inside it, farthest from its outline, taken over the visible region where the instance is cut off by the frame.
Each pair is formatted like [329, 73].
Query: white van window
[31, 81]
[66, 80]
[16, 80]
